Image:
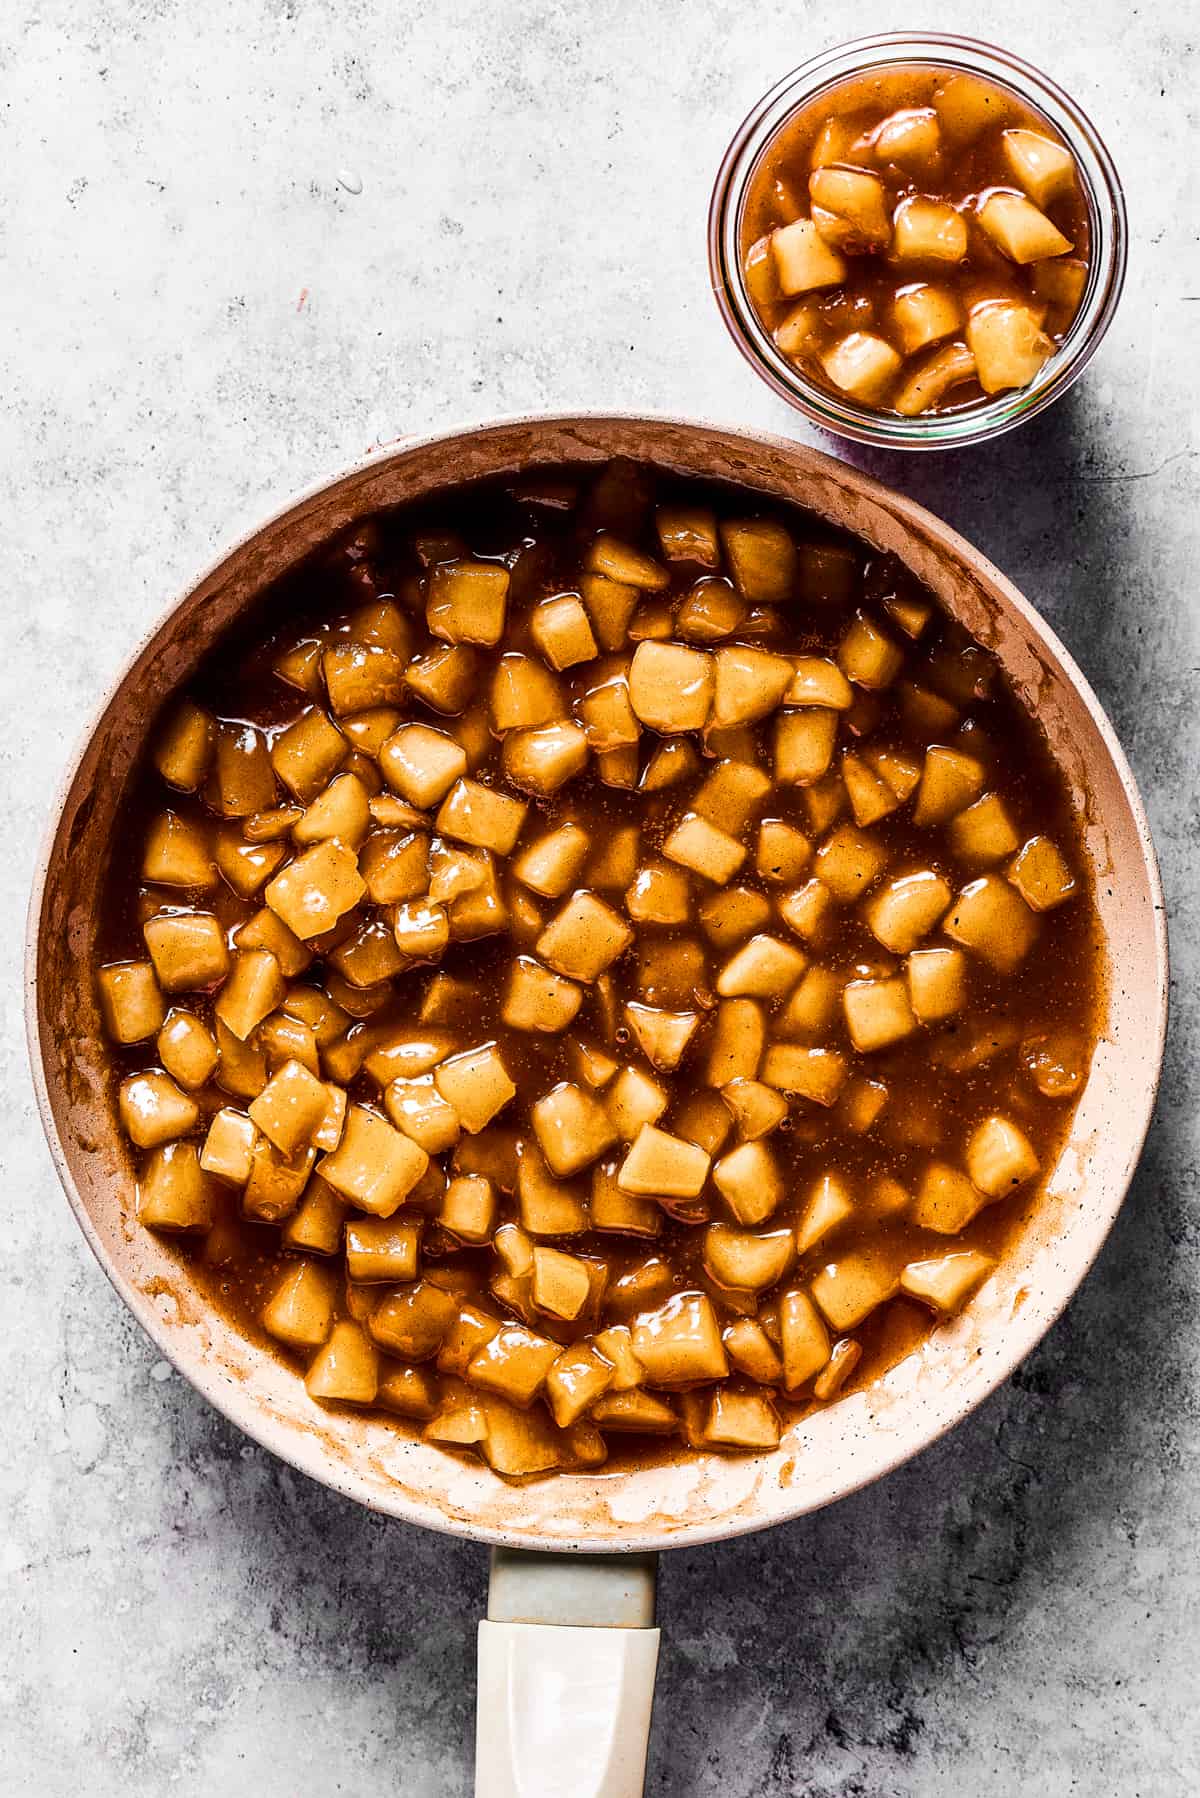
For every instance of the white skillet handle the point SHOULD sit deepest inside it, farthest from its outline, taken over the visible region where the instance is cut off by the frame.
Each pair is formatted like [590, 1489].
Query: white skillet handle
[566, 1676]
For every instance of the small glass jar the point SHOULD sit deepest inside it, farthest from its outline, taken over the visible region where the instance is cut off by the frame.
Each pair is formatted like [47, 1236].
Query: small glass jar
[1106, 264]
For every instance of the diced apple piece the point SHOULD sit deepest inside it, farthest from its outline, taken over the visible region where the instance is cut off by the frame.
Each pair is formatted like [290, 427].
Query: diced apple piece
[871, 797]
[745, 1261]
[300, 1309]
[910, 138]
[740, 1420]
[803, 1339]
[175, 1194]
[808, 910]
[513, 1363]
[610, 606]
[688, 534]
[634, 1099]
[468, 1209]
[381, 1248]
[867, 656]
[1020, 228]
[576, 1380]
[229, 1147]
[849, 862]
[572, 1128]
[422, 763]
[1045, 169]
[757, 1109]
[607, 715]
[991, 918]
[937, 983]
[551, 864]
[584, 938]
[276, 1182]
[1041, 876]
[620, 1212]
[662, 1036]
[711, 610]
[414, 1320]
[374, 1166]
[843, 1359]
[828, 1206]
[418, 1110]
[131, 1002]
[861, 1105]
[850, 1288]
[184, 751]
[739, 1033]
[1000, 1157]
[803, 260]
[764, 968]
[245, 781]
[946, 1281]
[730, 795]
[537, 999]
[984, 832]
[548, 1206]
[671, 763]
[967, 105]
[290, 1108]
[659, 895]
[863, 365]
[928, 230]
[796, 333]
[878, 1013]
[346, 1370]
[696, 844]
[804, 744]
[1060, 282]
[562, 631]
[906, 909]
[445, 678]
[950, 781]
[749, 684]
[640, 1412]
[409, 1392]
[1008, 344]
[176, 854]
[752, 1352]
[253, 990]
[813, 1006]
[543, 760]
[929, 384]
[317, 889]
[680, 1343]
[561, 1285]
[728, 916]
[782, 852]
[671, 686]
[478, 815]
[661, 1164]
[467, 601]
[946, 1200]
[477, 1084]
[627, 566]
[850, 211]
[153, 1110]
[761, 557]
[810, 1073]
[749, 1181]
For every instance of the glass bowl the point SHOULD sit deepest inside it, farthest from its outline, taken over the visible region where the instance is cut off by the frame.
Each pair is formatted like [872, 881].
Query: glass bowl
[982, 419]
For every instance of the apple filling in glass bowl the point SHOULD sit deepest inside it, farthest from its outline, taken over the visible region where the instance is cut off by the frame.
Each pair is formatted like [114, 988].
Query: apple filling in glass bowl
[597, 968]
[916, 239]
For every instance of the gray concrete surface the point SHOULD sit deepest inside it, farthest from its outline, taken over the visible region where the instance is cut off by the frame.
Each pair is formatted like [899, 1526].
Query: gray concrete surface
[238, 244]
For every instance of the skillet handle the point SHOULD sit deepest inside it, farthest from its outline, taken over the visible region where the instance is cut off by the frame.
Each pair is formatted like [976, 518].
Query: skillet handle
[566, 1676]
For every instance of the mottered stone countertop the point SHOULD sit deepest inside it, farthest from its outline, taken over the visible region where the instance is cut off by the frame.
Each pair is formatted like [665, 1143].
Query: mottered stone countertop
[240, 243]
